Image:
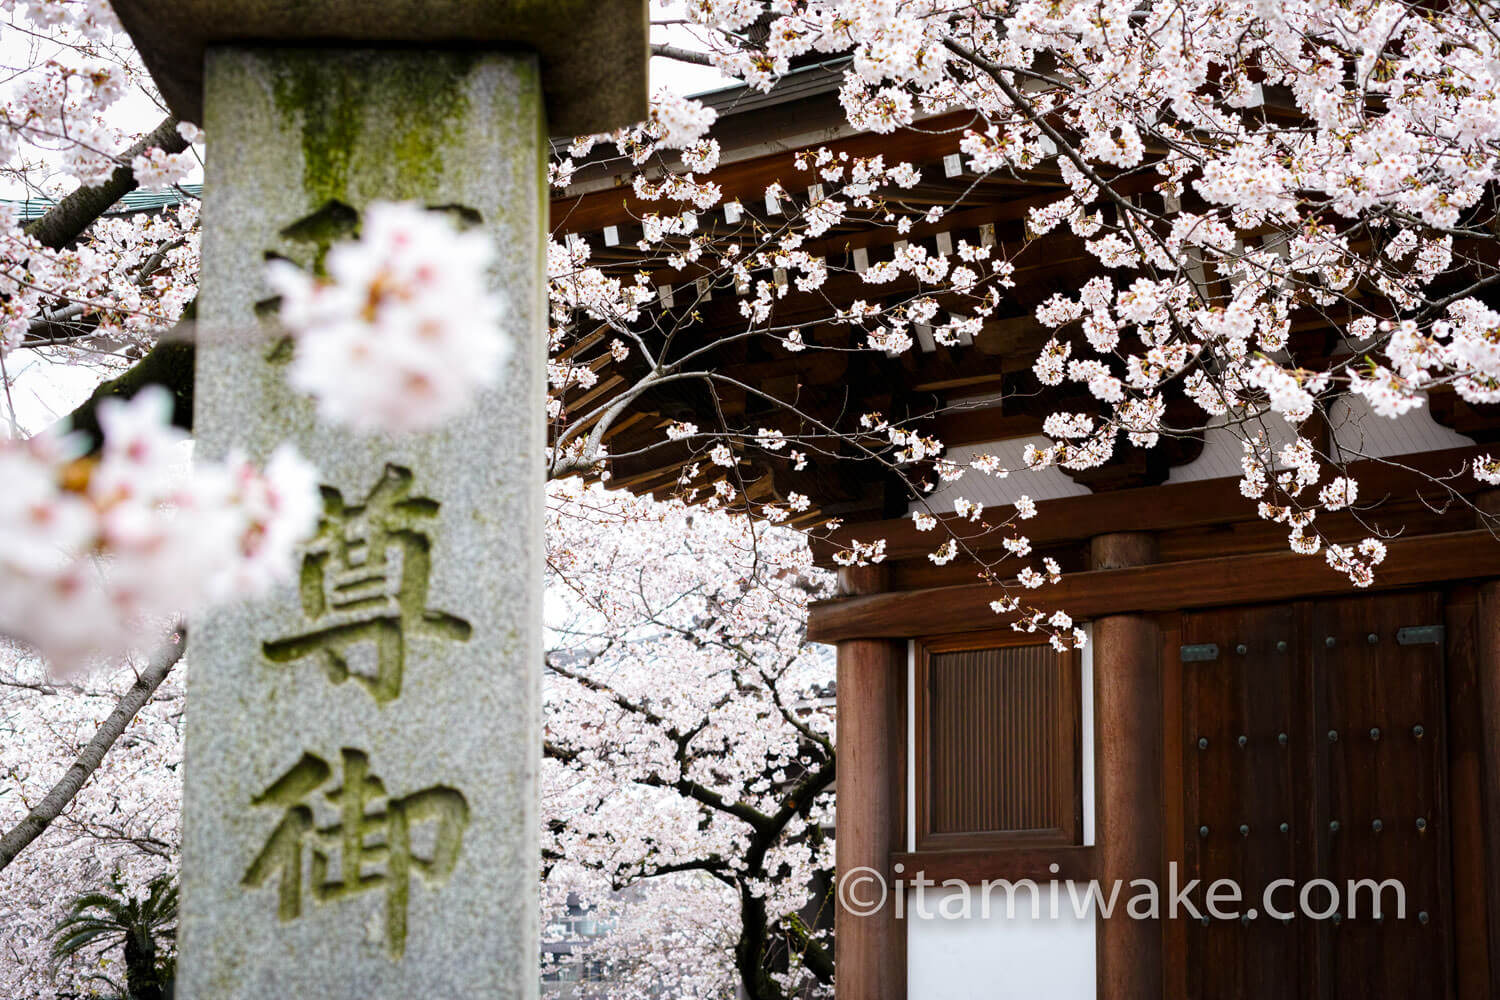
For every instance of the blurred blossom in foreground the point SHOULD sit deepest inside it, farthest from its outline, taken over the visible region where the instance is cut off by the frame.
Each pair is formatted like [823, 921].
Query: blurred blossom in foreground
[98, 555]
[403, 330]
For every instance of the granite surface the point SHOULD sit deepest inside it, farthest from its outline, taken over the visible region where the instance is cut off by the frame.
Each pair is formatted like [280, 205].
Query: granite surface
[362, 745]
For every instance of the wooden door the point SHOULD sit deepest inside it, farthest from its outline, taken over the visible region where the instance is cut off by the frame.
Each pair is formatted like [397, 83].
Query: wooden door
[1382, 771]
[1313, 749]
[1245, 754]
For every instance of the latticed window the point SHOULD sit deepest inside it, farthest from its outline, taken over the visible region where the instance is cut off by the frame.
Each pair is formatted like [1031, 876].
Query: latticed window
[997, 745]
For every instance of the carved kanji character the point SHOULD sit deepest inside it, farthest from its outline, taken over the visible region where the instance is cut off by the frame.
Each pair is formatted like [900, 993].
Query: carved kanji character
[364, 580]
[367, 847]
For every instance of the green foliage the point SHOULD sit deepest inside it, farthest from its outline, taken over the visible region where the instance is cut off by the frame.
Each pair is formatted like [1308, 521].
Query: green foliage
[144, 927]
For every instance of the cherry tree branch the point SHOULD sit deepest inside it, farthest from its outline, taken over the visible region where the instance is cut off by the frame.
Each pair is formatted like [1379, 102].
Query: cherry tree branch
[996, 73]
[169, 364]
[677, 54]
[35, 823]
[67, 220]
[754, 940]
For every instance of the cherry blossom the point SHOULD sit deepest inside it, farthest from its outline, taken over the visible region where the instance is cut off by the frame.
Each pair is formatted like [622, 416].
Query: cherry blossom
[669, 628]
[97, 554]
[687, 730]
[155, 169]
[1355, 201]
[130, 279]
[126, 821]
[1235, 174]
[404, 329]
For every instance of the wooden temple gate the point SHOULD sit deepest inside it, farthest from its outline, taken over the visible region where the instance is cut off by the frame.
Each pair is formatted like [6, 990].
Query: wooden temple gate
[1334, 738]
[1242, 711]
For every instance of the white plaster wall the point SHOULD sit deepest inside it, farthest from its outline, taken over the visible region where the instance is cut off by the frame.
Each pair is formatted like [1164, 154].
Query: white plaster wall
[1000, 957]
[975, 486]
[1359, 432]
[1365, 435]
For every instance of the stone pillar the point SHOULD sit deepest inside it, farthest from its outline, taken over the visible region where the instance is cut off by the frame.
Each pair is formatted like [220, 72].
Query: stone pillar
[360, 813]
[870, 948]
[435, 692]
[1128, 775]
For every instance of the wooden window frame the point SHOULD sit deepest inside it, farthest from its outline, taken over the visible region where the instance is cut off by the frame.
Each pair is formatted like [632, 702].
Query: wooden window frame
[1067, 830]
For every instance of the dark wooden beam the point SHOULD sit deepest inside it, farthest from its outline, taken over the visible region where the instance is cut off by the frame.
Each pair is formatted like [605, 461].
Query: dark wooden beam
[1153, 508]
[1199, 583]
[1472, 863]
[962, 426]
[748, 178]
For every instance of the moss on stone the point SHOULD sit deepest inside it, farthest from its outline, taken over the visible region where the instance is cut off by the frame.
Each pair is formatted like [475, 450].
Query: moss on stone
[329, 121]
[420, 110]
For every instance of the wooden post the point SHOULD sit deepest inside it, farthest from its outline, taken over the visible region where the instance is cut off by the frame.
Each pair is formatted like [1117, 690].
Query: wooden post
[1487, 642]
[1466, 798]
[870, 949]
[1128, 776]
